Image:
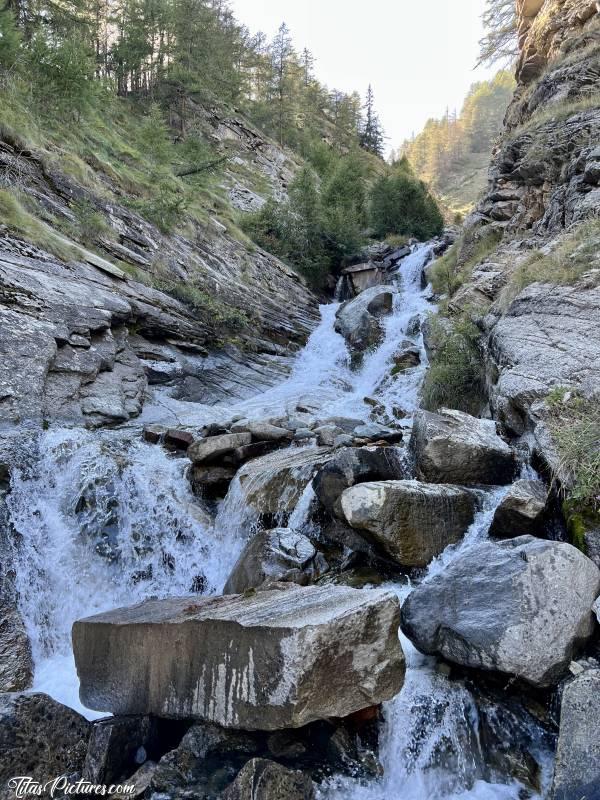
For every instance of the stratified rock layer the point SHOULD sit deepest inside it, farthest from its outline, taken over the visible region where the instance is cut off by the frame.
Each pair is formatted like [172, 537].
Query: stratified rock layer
[521, 606]
[279, 658]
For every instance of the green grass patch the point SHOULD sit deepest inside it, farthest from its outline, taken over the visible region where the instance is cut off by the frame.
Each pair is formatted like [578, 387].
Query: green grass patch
[449, 272]
[456, 376]
[574, 423]
[21, 222]
[574, 256]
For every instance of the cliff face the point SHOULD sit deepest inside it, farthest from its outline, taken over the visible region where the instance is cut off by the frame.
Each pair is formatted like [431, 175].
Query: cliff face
[81, 337]
[535, 295]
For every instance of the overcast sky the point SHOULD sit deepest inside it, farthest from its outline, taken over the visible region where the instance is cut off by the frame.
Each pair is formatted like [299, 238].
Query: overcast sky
[418, 54]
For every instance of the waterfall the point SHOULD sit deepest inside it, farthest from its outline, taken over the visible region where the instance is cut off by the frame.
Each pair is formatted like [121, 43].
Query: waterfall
[102, 519]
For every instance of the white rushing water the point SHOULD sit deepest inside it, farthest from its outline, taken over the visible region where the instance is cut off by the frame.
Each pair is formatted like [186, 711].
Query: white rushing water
[104, 520]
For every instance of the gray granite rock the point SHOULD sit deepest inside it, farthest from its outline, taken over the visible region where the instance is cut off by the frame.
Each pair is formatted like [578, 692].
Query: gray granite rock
[520, 606]
[277, 658]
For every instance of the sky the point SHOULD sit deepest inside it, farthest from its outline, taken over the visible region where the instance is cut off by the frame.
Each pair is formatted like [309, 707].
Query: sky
[419, 55]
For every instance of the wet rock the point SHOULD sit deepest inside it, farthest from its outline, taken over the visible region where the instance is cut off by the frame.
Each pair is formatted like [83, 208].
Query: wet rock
[407, 357]
[577, 765]
[16, 662]
[277, 555]
[39, 737]
[261, 779]
[214, 446]
[411, 522]
[520, 606]
[178, 439]
[413, 326]
[118, 746]
[303, 434]
[153, 433]
[272, 485]
[357, 465]
[263, 431]
[249, 451]
[453, 447]
[327, 434]
[521, 511]
[278, 658]
[375, 432]
[210, 475]
[359, 320]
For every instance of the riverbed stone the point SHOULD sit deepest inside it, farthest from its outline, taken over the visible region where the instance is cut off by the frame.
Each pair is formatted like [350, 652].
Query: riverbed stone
[577, 764]
[262, 779]
[521, 511]
[454, 447]
[272, 659]
[359, 320]
[520, 606]
[352, 465]
[212, 447]
[411, 521]
[272, 485]
[40, 738]
[281, 555]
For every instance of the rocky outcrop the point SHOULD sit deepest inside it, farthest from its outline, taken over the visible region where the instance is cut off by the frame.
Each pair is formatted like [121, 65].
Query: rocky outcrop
[452, 447]
[261, 779]
[549, 336]
[278, 658]
[16, 662]
[360, 320]
[521, 510]
[411, 522]
[40, 738]
[577, 765]
[279, 555]
[521, 607]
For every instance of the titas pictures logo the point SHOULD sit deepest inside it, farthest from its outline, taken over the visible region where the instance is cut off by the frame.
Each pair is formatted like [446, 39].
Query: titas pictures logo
[26, 786]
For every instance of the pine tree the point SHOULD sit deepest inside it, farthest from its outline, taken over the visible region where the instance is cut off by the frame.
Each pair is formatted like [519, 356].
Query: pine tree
[500, 24]
[281, 53]
[371, 138]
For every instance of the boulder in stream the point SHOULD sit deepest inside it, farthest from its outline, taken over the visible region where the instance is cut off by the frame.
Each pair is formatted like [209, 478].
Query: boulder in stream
[453, 447]
[521, 511]
[412, 522]
[353, 465]
[577, 765]
[272, 659]
[520, 606]
[272, 485]
[359, 320]
[280, 555]
[203, 450]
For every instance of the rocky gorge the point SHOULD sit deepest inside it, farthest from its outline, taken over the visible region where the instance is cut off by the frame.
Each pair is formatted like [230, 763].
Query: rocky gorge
[254, 566]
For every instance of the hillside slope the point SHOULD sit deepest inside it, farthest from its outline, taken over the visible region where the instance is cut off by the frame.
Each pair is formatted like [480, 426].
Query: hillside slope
[117, 295]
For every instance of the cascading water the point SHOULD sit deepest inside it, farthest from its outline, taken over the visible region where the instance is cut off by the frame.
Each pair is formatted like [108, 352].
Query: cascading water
[103, 519]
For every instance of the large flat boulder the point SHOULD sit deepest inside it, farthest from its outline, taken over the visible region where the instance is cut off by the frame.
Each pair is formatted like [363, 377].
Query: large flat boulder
[359, 320]
[521, 511]
[40, 738]
[280, 555]
[453, 447]
[278, 658]
[520, 606]
[577, 765]
[412, 522]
